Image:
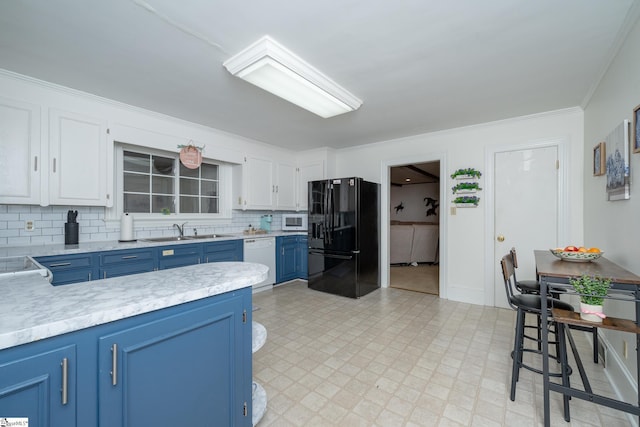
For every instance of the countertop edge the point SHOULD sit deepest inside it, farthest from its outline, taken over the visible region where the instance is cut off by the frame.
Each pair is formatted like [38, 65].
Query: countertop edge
[83, 305]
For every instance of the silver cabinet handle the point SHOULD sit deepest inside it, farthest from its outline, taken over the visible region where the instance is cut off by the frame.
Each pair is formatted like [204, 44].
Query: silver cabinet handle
[54, 165]
[89, 276]
[35, 164]
[60, 264]
[129, 257]
[104, 274]
[65, 380]
[114, 364]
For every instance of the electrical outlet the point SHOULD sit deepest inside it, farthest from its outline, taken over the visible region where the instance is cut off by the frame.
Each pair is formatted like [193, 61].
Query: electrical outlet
[29, 225]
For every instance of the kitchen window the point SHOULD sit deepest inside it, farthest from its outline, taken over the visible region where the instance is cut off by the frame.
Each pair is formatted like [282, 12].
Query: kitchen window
[154, 185]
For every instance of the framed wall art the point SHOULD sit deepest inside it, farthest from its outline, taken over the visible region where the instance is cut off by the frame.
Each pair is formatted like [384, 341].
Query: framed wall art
[636, 130]
[618, 181]
[599, 159]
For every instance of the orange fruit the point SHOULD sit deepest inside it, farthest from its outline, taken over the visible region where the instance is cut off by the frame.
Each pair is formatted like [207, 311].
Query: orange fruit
[582, 249]
[594, 250]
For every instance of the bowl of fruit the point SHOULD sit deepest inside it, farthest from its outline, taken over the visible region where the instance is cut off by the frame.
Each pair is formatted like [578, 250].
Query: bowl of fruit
[577, 253]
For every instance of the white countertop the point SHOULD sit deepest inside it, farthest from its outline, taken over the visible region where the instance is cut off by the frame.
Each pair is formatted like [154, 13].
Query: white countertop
[32, 309]
[113, 245]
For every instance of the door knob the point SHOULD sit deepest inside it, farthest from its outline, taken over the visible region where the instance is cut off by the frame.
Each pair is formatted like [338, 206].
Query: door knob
[500, 238]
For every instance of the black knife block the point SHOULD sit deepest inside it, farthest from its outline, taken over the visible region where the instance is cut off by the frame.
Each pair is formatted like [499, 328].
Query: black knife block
[71, 233]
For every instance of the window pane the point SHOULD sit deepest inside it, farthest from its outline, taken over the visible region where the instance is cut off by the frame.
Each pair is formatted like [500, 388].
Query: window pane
[163, 165]
[137, 183]
[189, 186]
[209, 188]
[136, 203]
[191, 173]
[189, 204]
[209, 205]
[136, 162]
[163, 202]
[209, 171]
[162, 185]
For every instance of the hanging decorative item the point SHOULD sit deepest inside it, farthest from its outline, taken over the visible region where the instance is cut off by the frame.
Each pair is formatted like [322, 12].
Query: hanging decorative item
[190, 155]
[469, 185]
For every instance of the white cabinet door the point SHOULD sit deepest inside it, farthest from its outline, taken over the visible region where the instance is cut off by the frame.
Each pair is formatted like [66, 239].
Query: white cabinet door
[307, 172]
[20, 156]
[77, 159]
[259, 185]
[285, 186]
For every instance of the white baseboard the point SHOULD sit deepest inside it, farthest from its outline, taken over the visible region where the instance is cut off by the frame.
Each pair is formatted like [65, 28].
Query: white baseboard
[462, 293]
[622, 382]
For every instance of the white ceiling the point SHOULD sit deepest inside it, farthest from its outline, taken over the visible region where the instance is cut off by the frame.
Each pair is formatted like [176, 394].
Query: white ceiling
[418, 65]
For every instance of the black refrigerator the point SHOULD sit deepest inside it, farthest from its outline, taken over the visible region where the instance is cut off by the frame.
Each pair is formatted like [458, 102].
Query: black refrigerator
[343, 236]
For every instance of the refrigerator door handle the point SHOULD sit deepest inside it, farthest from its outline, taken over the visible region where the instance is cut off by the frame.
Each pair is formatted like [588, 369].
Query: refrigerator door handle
[347, 257]
[355, 252]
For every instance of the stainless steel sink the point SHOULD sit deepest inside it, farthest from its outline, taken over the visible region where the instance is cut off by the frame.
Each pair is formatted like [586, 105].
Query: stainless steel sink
[164, 239]
[207, 236]
[179, 239]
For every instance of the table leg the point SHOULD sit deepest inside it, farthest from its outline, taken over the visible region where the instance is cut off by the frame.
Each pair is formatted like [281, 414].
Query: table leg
[545, 349]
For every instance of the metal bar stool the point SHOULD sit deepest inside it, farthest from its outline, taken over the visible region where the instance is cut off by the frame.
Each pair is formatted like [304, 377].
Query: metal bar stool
[533, 287]
[532, 304]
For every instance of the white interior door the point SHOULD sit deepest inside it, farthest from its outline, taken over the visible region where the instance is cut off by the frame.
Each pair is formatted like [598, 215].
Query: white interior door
[526, 209]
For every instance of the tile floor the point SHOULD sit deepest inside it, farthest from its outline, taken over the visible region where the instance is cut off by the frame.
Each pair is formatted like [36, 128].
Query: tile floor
[400, 358]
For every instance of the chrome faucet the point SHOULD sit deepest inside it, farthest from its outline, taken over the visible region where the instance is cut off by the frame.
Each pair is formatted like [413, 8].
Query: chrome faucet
[180, 228]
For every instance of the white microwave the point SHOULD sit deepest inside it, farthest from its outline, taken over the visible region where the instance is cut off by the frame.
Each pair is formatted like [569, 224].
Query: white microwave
[294, 222]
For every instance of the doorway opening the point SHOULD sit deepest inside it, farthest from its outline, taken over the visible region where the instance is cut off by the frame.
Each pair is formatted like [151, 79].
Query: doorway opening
[414, 227]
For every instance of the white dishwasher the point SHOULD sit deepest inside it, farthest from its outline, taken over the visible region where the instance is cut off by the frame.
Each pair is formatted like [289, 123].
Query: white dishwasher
[262, 250]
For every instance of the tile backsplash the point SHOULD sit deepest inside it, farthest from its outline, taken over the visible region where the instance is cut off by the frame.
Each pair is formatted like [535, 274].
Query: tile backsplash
[49, 222]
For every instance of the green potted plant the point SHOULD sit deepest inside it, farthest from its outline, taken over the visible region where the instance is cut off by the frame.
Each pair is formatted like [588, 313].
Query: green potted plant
[466, 187]
[466, 173]
[592, 291]
[466, 201]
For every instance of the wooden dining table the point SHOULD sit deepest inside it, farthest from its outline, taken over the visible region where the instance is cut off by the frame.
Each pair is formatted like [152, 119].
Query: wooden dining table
[554, 273]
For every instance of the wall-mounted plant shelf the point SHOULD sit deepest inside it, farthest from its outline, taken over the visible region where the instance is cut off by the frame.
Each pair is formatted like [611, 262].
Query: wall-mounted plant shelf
[466, 201]
[466, 188]
[468, 173]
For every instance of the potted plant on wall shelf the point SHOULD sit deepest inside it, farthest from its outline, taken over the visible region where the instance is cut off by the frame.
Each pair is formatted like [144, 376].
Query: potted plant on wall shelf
[592, 291]
[466, 187]
[467, 173]
[466, 201]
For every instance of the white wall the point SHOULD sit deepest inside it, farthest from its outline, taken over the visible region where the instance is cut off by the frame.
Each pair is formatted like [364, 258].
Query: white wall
[413, 203]
[463, 238]
[615, 226]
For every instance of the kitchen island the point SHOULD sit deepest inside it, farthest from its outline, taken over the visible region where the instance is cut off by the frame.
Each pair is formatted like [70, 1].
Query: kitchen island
[170, 347]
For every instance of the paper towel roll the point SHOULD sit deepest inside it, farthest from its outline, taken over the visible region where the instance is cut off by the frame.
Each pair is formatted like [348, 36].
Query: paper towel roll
[126, 228]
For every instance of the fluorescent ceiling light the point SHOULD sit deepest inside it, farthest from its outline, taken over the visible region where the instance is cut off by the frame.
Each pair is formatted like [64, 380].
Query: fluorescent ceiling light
[272, 67]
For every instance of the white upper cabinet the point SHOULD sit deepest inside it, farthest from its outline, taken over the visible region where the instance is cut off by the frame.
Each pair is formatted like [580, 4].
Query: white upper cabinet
[20, 158]
[77, 160]
[285, 186]
[309, 171]
[259, 184]
[265, 184]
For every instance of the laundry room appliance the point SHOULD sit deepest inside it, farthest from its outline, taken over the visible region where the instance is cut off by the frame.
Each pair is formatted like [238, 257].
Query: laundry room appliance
[262, 250]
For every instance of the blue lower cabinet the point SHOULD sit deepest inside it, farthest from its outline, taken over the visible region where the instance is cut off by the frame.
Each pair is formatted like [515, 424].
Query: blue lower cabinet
[186, 369]
[286, 258]
[172, 256]
[302, 258]
[39, 386]
[186, 365]
[227, 250]
[71, 268]
[126, 261]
